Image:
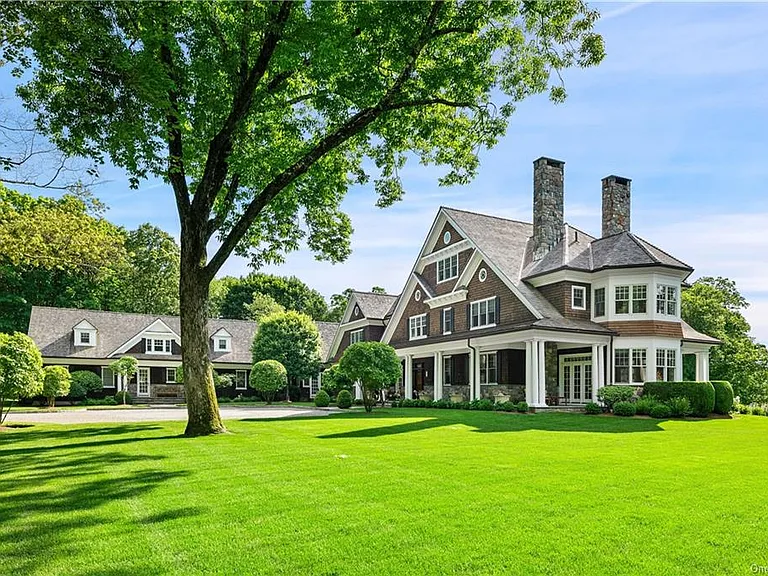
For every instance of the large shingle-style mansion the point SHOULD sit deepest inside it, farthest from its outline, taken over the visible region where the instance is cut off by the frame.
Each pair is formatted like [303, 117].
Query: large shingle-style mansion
[540, 312]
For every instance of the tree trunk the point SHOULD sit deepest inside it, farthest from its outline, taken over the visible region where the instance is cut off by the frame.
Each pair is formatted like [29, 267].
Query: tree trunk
[202, 408]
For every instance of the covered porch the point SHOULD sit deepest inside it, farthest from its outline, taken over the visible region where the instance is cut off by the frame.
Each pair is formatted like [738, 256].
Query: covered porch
[540, 367]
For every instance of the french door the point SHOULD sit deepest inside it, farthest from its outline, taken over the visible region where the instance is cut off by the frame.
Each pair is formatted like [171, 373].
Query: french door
[142, 382]
[576, 378]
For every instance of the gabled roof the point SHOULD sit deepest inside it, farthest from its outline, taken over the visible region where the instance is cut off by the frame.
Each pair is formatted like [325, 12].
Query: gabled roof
[51, 330]
[327, 334]
[373, 305]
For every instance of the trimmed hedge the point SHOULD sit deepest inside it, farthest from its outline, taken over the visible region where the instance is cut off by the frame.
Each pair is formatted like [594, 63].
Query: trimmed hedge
[723, 396]
[624, 409]
[701, 395]
[322, 400]
[344, 399]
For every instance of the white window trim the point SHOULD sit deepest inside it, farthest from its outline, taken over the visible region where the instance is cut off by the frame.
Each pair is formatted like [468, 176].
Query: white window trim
[605, 302]
[666, 300]
[471, 314]
[583, 290]
[631, 350]
[442, 322]
[411, 319]
[217, 340]
[450, 262]
[495, 368]
[245, 380]
[143, 370]
[167, 380]
[447, 362]
[91, 335]
[149, 346]
[356, 332]
[666, 367]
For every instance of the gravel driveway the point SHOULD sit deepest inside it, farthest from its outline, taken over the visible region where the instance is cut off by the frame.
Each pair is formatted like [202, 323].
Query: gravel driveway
[153, 415]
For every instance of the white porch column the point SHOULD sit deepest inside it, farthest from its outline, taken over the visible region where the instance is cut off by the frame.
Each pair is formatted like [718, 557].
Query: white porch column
[471, 374]
[542, 365]
[650, 364]
[702, 366]
[595, 370]
[409, 376]
[532, 372]
[438, 390]
[679, 364]
[602, 360]
[476, 381]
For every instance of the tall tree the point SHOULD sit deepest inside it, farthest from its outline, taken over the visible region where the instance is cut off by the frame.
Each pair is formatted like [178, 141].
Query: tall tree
[260, 114]
[714, 306]
[150, 281]
[262, 305]
[289, 292]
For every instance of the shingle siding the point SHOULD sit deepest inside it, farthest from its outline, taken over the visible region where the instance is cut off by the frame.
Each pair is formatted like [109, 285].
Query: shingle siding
[455, 237]
[370, 334]
[430, 274]
[559, 295]
[646, 328]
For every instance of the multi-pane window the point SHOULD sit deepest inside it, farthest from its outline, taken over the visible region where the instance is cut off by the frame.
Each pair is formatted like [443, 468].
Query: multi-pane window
[222, 343]
[622, 299]
[665, 365]
[483, 313]
[599, 302]
[158, 346]
[170, 375]
[356, 336]
[447, 370]
[417, 326]
[666, 300]
[448, 268]
[629, 365]
[639, 299]
[578, 298]
[240, 379]
[488, 368]
[85, 337]
[447, 320]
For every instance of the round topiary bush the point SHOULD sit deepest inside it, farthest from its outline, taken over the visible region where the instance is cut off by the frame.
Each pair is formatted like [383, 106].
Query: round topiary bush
[592, 408]
[83, 382]
[322, 400]
[268, 377]
[522, 407]
[624, 409]
[723, 396]
[124, 397]
[660, 411]
[344, 399]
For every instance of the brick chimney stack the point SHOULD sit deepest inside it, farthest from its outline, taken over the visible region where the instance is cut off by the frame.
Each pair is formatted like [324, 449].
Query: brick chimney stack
[616, 205]
[547, 205]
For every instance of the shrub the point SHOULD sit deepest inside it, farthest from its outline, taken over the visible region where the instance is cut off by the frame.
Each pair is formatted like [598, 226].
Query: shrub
[481, 404]
[56, 383]
[443, 403]
[593, 408]
[344, 399]
[742, 408]
[660, 411]
[679, 407]
[83, 382]
[610, 395]
[322, 400]
[124, 397]
[700, 395]
[758, 410]
[645, 403]
[269, 377]
[506, 407]
[624, 408]
[225, 400]
[522, 407]
[358, 401]
[723, 396]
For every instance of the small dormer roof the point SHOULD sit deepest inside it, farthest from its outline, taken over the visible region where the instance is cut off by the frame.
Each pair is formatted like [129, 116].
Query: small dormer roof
[83, 325]
[221, 333]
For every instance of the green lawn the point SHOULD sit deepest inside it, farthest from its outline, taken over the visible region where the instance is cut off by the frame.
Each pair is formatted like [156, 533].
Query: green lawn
[401, 492]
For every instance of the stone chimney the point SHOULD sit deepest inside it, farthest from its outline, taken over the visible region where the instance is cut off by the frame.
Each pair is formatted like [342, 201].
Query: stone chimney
[616, 193]
[547, 205]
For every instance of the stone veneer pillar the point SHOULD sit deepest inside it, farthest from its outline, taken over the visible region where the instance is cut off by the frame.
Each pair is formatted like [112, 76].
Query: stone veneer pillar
[548, 176]
[616, 205]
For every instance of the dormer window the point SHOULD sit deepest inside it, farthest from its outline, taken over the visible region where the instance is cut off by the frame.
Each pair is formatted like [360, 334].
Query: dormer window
[222, 344]
[85, 334]
[158, 346]
[222, 341]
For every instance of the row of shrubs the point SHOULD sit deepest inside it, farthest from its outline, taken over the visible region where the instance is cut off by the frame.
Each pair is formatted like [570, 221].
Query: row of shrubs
[343, 399]
[667, 399]
[484, 404]
[754, 409]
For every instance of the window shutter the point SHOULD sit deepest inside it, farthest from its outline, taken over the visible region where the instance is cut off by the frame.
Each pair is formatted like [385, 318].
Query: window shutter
[427, 331]
[498, 310]
[469, 316]
[453, 327]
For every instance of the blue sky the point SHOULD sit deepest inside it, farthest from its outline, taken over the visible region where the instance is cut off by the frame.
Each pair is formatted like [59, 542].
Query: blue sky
[678, 106]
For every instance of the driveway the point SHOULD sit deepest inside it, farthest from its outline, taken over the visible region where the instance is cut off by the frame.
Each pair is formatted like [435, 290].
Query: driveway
[153, 415]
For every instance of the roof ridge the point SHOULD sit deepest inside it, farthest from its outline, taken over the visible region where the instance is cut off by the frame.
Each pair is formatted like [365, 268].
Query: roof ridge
[486, 215]
[644, 241]
[637, 241]
[374, 293]
[142, 314]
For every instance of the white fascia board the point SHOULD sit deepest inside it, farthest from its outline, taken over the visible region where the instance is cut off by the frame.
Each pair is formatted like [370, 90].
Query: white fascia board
[84, 325]
[158, 327]
[563, 276]
[445, 299]
[398, 312]
[444, 253]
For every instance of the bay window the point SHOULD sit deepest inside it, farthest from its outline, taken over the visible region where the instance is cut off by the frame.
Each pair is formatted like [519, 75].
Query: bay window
[599, 302]
[629, 365]
[666, 300]
[666, 360]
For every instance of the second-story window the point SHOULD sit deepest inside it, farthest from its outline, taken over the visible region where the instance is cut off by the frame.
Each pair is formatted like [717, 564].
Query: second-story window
[158, 346]
[666, 300]
[417, 326]
[622, 299]
[448, 268]
[447, 320]
[578, 297]
[631, 299]
[483, 313]
[356, 336]
[599, 302]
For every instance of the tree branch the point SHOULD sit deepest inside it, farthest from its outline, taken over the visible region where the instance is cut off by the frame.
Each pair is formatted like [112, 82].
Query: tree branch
[227, 202]
[353, 126]
[453, 30]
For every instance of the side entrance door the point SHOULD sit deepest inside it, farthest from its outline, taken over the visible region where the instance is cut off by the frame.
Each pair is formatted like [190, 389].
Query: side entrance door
[142, 382]
[576, 378]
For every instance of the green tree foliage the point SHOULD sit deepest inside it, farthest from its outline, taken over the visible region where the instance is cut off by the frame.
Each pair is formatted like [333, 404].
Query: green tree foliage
[260, 306]
[261, 115]
[56, 383]
[292, 339]
[289, 292]
[339, 305]
[150, 282]
[21, 370]
[126, 367]
[268, 377]
[714, 306]
[334, 381]
[84, 382]
[217, 292]
[374, 364]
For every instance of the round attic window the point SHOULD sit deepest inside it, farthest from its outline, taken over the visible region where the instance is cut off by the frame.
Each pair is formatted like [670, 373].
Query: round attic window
[446, 237]
[482, 275]
[417, 295]
[357, 311]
